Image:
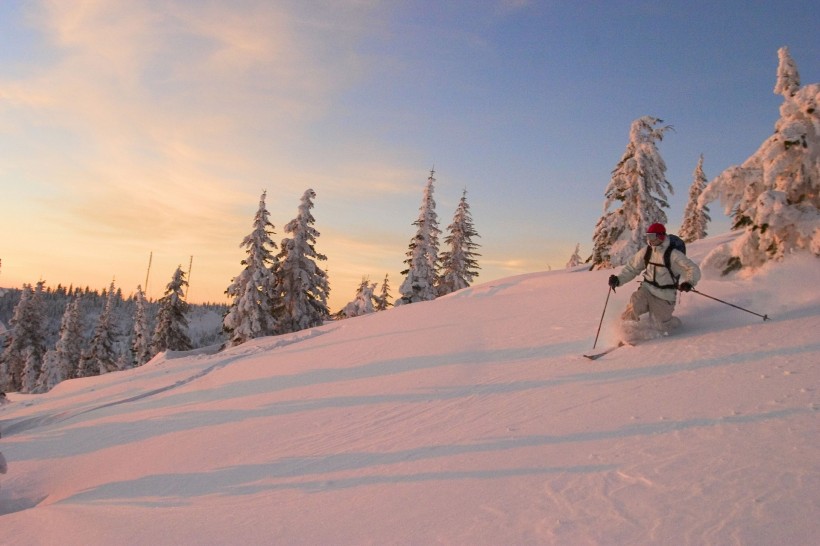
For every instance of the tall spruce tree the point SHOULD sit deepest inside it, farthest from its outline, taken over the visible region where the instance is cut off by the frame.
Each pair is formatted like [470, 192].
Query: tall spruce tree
[171, 330]
[774, 196]
[788, 78]
[304, 285]
[639, 185]
[362, 304]
[254, 290]
[35, 352]
[422, 256]
[101, 356]
[141, 336]
[62, 362]
[383, 300]
[696, 215]
[575, 259]
[459, 266]
[50, 374]
[22, 358]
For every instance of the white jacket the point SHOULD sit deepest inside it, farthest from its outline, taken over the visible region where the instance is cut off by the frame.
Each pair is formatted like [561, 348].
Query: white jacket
[685, 269]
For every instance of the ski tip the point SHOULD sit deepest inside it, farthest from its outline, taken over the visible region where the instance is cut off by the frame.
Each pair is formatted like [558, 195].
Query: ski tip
[605, 351]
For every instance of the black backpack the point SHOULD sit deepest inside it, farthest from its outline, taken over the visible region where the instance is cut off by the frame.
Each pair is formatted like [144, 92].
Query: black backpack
[675, 243]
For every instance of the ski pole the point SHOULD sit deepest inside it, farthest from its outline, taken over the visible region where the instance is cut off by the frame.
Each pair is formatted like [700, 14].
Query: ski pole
[602, 318]
[765, 317]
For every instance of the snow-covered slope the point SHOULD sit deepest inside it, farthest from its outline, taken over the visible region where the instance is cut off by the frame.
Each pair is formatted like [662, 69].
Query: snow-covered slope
[473, 419]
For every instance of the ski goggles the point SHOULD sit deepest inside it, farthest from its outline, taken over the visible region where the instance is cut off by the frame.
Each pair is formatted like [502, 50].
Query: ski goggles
[654, 238]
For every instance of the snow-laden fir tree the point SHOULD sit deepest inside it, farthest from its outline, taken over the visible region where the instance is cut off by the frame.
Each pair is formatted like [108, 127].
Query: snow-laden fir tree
[50, 374]
[31, 370]
[171, 330]
[384, 299]
[254, 291]
[575, 259]
[362, 304]
[25, 344]
[101, 355]
[459, 266]
[69, 347]
[12, 358]
[303, 284]
[788, 79]
[696, 215]
[63, 361]
[34, 354]
[639, 185]
[422, 256]
[141, 337]
[774, 196]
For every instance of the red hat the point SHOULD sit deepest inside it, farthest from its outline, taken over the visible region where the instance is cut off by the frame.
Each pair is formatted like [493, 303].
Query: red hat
[659, 229]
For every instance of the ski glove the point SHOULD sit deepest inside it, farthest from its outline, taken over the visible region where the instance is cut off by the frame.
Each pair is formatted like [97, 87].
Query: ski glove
[685, 287]
[613, 281]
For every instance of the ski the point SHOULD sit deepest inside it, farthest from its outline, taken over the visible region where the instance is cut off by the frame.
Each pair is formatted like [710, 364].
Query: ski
[606, 351]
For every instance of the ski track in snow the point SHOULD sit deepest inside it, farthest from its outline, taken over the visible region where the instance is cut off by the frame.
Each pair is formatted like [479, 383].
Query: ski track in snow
[10, 428]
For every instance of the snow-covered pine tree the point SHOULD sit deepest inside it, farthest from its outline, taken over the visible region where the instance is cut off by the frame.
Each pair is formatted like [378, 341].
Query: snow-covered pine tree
[62, 362]
[696, 215]
[788, 79]
[35, 352]
[304, 285]
[32, 370]
[171, 330]
[362, 304]
[22, 359]
[101, 356]
[383, 300]
[125, 360]
[13, 359]
[609, 227]
[639, 184]
[458, 264]
[141, 336]
[254, 291]
[50, 374]
[422, 256]
[575, 259]
[774, 196]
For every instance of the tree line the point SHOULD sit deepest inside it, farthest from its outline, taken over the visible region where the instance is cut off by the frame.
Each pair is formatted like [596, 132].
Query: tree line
[63, 333]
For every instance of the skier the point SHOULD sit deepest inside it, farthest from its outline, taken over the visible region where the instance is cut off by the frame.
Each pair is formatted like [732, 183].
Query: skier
[661, 277]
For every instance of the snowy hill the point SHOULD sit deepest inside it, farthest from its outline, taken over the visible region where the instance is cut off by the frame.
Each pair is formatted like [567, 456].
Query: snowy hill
[472, 419]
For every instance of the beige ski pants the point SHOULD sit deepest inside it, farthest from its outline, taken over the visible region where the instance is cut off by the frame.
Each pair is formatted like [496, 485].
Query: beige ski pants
[642, 301]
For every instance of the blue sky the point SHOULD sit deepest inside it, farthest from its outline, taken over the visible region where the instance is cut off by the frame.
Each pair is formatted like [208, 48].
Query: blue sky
[128, 128]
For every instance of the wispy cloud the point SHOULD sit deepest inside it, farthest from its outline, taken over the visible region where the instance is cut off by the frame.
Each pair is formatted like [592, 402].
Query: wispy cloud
[176, 109]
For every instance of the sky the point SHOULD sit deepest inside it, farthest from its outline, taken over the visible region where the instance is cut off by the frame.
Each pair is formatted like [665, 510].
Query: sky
[460, 421]
[137, 131]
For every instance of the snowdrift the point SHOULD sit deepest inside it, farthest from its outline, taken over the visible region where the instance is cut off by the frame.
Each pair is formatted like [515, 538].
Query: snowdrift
[473, 419]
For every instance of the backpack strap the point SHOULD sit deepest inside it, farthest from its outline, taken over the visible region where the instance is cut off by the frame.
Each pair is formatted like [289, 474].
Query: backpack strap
[667, 263]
